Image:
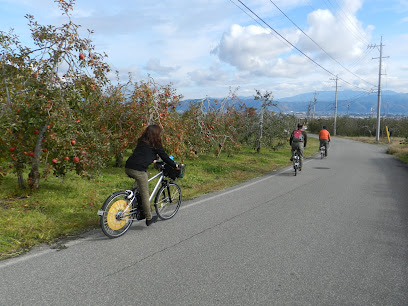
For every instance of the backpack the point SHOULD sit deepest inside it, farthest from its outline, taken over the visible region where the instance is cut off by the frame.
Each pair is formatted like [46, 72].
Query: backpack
[297, 136]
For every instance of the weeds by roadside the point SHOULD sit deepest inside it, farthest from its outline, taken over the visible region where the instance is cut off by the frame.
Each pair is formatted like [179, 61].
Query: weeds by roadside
[397, 145]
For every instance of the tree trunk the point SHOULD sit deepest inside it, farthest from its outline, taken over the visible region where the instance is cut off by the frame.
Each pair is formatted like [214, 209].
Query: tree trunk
[34, 175]
[119, 160]
[20, 180]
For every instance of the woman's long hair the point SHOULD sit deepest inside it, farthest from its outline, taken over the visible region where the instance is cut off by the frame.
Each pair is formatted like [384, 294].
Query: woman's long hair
[151, 136]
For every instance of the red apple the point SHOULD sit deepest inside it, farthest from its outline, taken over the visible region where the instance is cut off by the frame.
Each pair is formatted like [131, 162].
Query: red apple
[83, 152]
[73, 142]
[12, 149]
[36, 132]
[45, 150]
[66, 158]
[81, 56]
[54, 161]
[31, 154]
[76, 159]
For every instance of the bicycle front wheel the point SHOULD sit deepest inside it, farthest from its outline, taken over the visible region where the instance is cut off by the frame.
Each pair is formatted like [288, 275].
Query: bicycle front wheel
[168, 201]
[115, 215]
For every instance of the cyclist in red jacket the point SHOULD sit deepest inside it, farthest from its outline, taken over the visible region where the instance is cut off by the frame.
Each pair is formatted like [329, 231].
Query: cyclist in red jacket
[298, 141]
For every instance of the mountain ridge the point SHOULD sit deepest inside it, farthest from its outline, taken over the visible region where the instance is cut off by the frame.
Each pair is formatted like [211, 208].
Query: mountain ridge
[349, 102]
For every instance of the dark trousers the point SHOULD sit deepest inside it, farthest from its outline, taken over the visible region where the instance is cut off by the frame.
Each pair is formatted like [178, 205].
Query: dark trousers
[324, 143]
[298, 146]
[142, 184]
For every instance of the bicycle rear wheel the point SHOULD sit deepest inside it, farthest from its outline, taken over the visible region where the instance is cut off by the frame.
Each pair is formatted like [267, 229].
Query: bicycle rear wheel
[115, 215]
[168, 200]
[296, 163]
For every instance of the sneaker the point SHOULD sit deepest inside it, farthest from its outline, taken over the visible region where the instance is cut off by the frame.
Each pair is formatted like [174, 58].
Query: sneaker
[151, 221]
[291, 159]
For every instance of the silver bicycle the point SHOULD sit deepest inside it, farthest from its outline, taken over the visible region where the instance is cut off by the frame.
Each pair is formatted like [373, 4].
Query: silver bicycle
[322, 152]
[296, 162]
[121, 208]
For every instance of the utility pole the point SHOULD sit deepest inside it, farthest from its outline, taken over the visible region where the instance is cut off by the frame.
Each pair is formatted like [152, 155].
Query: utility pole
[335, 108]
[377, 136]
[314, 104]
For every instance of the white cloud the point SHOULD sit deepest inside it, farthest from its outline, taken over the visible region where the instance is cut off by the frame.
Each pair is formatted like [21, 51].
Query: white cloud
[154, 65]
[329, 32]
[250, 48]
[204, 47]
[205, 77]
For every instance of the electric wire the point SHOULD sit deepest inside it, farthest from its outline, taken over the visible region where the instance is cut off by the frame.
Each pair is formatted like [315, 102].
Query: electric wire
[353, 24]
[270, 32]
[355, 34]
[288, 42]
[319, 45]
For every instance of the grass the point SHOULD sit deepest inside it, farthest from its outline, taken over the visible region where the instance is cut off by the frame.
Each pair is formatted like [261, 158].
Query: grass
[66, 207]
[399, 149]
[396, 146]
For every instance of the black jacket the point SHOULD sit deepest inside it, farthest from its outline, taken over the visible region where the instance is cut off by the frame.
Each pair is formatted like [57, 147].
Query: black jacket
[144, 155]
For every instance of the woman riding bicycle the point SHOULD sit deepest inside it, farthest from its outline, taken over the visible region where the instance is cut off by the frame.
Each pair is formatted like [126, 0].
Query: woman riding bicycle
[149, 145]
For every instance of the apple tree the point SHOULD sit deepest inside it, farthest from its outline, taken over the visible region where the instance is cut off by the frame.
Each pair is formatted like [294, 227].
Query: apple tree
[43, 93]
[212, 126]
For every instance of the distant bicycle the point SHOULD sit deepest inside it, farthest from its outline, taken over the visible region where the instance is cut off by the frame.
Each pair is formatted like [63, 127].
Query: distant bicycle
[121, 208]
[322, 152]
[296, 162]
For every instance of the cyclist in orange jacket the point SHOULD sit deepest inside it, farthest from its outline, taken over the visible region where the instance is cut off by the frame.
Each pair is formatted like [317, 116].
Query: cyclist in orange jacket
[324, 138]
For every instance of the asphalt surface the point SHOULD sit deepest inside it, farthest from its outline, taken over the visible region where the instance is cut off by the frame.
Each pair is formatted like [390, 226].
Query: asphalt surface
[335, 234]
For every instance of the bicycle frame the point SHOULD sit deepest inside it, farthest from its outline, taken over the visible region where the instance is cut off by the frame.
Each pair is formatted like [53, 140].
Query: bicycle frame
[322, 151]
[128, 211]
[157, 185]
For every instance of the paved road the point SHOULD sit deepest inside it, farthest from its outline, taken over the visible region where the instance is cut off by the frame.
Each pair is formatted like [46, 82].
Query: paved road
[336, 234]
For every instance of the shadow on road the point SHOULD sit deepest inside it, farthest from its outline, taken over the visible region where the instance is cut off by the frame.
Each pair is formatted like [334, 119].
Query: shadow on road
[287, 174]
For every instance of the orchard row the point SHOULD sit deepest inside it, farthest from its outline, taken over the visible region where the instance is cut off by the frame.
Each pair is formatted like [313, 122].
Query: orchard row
[61, 113]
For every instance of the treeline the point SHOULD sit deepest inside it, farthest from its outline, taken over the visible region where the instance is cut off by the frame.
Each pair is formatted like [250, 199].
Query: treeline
[354, 127]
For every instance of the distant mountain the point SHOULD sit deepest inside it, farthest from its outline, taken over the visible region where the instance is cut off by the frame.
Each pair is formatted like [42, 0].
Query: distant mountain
[357, 103]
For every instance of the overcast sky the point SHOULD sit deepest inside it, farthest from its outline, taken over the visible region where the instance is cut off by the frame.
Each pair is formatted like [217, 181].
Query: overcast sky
[207, 47]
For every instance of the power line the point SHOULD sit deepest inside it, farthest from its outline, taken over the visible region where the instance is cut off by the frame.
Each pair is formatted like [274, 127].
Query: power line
[318, 44]
[288, 42]
[357, 34]
[277, 37]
